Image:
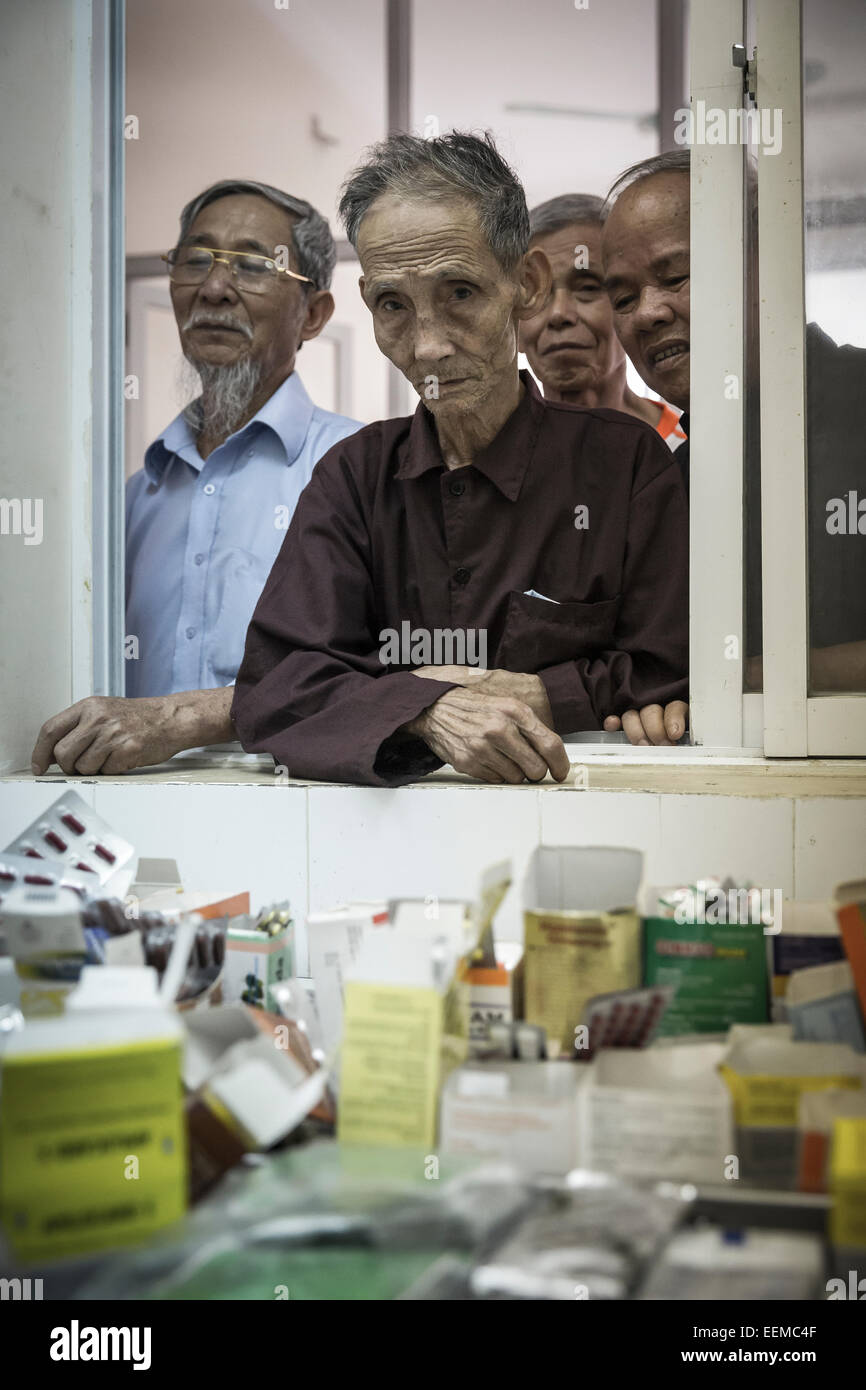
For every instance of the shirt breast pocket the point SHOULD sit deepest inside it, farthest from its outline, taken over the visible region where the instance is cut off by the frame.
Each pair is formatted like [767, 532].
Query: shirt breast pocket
[539, 634]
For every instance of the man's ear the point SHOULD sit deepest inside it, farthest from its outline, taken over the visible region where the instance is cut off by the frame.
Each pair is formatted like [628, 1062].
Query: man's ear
[536, 279]
[320, 307]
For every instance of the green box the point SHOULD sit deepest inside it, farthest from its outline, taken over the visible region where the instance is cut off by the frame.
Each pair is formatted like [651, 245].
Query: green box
[720, 972]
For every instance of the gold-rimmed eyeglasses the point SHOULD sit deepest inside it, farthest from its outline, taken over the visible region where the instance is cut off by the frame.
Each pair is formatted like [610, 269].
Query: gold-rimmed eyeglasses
[191, 265]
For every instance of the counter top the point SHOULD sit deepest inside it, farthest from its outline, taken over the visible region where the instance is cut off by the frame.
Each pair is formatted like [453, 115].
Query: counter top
[683, 771]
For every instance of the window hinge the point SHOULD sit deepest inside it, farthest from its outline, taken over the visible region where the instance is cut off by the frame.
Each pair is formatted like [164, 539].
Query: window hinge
[749, 67]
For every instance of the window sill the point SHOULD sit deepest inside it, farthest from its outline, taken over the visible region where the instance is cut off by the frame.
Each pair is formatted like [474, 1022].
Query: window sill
[595, 768]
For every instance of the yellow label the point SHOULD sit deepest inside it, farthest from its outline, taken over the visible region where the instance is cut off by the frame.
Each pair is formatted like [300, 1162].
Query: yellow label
[92, 1147]
[389, 1075]
[847, 1182]
[571, 956]
[769, 1101]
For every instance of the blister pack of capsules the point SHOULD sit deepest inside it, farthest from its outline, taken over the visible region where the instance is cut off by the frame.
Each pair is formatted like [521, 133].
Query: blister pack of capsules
[18, 869]
[72, 834]
[623, 1018]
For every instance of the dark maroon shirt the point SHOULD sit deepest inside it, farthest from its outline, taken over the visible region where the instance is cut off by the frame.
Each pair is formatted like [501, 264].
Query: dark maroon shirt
[385, 535]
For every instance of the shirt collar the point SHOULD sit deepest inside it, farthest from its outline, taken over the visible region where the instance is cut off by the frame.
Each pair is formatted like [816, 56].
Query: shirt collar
[505, 459]
[287, 413]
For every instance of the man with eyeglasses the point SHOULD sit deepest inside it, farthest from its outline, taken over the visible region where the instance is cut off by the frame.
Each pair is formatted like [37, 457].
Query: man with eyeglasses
[207, 514]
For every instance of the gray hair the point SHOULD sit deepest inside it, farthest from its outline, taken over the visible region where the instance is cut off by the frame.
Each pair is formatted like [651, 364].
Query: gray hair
[671, 162]
[455, 165]
[313, 246]
[563, 211]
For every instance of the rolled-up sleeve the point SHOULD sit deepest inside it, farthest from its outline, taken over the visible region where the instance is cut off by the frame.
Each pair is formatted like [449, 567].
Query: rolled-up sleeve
[311, 690]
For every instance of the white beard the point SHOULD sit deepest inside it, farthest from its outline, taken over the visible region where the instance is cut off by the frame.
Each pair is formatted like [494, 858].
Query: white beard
[223, 396]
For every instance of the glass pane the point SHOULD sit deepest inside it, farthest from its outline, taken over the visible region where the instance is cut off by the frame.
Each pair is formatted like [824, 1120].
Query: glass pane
[834, 110]
[545, 92]
[289, 96]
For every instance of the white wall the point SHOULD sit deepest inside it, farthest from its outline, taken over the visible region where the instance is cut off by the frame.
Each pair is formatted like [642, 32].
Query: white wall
[230, 88]
[45, 353]
[322, 845]
[590, 73]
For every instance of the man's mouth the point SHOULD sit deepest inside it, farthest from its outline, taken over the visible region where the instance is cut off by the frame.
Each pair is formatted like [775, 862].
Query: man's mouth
[669, 353]
[567, 347]
[216, 328]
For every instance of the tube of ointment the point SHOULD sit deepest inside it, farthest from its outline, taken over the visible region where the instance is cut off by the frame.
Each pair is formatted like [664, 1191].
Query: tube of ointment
[531, 1041]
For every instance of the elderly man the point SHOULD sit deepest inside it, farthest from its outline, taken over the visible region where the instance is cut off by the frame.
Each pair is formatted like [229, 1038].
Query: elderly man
[646, 261]
[571, 343]
[206, 515]
[539, 548]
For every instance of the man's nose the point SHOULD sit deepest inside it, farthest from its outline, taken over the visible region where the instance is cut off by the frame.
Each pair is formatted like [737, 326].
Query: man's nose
[654, 306]
[219, 284]
[563, 310]
[431, 341]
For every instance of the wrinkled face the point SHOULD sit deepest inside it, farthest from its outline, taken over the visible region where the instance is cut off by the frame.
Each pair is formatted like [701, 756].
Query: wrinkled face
[218, 324]
[571, 343]
[444, 311]
[645, 245]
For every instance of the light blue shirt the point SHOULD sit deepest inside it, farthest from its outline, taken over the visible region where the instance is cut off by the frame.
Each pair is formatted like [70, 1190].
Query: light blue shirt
[202, 535]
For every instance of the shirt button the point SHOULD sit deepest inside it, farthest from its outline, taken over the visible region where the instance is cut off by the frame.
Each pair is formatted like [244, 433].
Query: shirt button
[457, 488]
[208, 489]
[199, 559]
[190, 632]
[461, 577]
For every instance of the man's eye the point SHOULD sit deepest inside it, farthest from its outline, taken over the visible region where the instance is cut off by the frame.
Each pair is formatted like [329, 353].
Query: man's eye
[676, 280]
[463, 292]
[623, 303]
[587, 291]
[253, 265]
[390, 305]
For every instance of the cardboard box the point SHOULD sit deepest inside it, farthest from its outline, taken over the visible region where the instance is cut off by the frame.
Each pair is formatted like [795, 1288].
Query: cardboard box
[582, 933]
[767, 1075]
[334, 940]
[822, 1005]
[252, 1083]
[720, 973]
[847, 1183]
[850, 904]
[45, 937]
[657, 1113]
[810, 936]
[406, 1024]
[521, 1112]
[816, 1116]
[254, 963]
[108, 1167]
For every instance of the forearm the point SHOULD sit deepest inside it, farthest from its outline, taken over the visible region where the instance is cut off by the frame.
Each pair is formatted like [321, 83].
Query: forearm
[838, 668]
[521, 685]
[201, 717]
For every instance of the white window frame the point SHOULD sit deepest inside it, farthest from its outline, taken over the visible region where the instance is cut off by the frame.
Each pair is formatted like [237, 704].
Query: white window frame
[796, 724]
[717, 715]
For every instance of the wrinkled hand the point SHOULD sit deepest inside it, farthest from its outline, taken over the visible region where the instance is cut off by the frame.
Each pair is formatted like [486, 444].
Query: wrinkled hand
[652, 724]
[529, 689]
[109, 734]
[493, 738]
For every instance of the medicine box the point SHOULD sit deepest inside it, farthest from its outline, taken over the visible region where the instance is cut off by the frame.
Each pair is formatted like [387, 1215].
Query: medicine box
[521, 1112]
